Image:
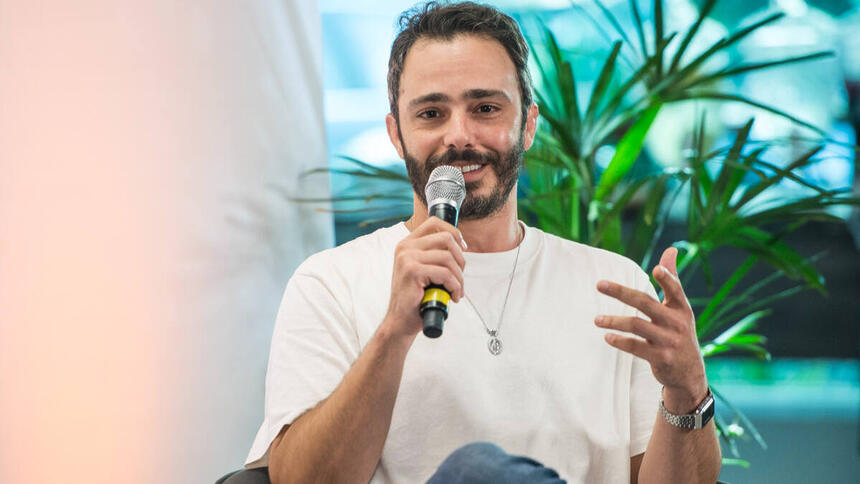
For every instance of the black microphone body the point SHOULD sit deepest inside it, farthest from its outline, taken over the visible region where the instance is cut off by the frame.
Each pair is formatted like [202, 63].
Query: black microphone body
[445, 192]
[434, 305]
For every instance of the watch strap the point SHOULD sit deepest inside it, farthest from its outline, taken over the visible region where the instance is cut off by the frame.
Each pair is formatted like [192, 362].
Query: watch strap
[696, 420]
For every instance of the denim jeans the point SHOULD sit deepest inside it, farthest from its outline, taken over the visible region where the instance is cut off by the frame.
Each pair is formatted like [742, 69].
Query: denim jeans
[484, 463]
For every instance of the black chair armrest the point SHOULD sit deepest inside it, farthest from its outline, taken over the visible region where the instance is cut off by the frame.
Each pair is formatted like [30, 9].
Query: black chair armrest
[259, 475]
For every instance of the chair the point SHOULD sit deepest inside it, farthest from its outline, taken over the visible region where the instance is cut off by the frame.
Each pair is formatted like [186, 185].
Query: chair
[259, 475]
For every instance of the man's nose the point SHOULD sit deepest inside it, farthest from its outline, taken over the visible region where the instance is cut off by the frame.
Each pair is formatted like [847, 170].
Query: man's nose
[459, 132]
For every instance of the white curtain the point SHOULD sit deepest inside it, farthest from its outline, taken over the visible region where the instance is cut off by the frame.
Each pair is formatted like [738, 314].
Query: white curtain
[148, 153]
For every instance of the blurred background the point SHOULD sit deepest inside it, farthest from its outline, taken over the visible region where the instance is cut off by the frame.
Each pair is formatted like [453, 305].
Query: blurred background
[151, 158]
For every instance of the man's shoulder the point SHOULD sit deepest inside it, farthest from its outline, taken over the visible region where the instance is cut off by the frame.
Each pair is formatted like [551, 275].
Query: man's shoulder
[355, 254]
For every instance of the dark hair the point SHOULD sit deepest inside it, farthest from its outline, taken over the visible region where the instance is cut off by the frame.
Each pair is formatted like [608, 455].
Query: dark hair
[436, 21]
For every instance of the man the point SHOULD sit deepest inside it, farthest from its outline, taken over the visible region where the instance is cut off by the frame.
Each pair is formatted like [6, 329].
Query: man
[356, 393]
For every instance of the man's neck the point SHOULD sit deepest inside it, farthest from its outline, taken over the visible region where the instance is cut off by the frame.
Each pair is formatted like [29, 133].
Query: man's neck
[497, 233]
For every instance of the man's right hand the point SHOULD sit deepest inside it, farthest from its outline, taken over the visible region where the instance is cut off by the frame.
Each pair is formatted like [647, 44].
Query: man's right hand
[341, 439]
[431, 254]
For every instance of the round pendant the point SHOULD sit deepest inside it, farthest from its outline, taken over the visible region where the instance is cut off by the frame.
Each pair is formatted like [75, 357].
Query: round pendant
[495, 346]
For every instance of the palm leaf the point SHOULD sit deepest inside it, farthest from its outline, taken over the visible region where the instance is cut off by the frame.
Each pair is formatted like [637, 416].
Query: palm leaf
[736, 462]
[757, 66]
[725, 290]
[787, 172]
[757, 351]
[757, 304]
[673, 79]
[658, 36]
[808, 207]
[625, 153]
[780, 175]
[752, 339]
[777, 254]
[746, 323]
[559, 105]
[651, 221]
[561, 128]
[640, 29]
[356, 173]
[715, 197]
[612, 21]
[602, 83]
[726, 436]
[393, 174]
[748, 294]
[703, 13]
[355, 198]
[617, 206]
[715, 95]
[738, 174]
[611, 108]
[743, 418]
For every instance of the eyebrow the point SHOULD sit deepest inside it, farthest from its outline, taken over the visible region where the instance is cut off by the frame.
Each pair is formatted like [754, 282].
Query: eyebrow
[438, 97]
[485, 93]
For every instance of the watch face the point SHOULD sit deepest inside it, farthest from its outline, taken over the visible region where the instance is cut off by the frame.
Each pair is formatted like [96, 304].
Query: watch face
[708, 411]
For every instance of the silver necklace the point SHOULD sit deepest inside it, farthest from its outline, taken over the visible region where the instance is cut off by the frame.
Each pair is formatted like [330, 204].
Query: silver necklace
[495, 343]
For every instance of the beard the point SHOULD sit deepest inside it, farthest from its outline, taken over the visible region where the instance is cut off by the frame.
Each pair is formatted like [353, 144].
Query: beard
[505, 165]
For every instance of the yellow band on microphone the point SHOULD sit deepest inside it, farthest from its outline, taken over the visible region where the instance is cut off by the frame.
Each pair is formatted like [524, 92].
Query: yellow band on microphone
[436, 294]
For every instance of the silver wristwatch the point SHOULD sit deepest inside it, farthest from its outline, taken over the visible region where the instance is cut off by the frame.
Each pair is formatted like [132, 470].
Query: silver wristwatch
[696, 420]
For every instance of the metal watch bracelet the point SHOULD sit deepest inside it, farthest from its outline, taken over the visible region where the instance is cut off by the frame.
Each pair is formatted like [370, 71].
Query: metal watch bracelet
[696, 420]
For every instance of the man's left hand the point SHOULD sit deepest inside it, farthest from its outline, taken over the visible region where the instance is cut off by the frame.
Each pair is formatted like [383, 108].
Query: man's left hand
[668, 342]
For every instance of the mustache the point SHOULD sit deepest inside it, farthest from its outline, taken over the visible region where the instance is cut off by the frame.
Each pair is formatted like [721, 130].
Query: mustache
[468, 156]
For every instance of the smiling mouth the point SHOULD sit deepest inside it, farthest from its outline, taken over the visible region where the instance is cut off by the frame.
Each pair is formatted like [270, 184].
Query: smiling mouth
[468, 168]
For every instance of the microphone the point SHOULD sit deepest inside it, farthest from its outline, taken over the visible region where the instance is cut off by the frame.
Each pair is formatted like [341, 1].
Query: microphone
[445, 191]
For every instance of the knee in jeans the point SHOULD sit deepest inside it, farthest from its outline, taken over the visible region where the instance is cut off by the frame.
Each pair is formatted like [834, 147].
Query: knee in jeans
[484, 462]
[475, 456]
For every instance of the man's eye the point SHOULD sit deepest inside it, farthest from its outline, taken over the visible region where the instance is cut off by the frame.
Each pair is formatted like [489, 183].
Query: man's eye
[486, 109]
[429, 114]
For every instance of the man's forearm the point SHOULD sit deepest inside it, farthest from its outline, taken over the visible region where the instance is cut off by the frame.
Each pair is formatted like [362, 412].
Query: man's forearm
[681, 455]
[341, 439]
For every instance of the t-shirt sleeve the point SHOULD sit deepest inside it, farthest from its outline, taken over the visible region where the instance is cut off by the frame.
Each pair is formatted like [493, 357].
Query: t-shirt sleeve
[313, 345]
[644, 388]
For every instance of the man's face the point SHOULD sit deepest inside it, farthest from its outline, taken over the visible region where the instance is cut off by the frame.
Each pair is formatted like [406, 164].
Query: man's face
[460, 105]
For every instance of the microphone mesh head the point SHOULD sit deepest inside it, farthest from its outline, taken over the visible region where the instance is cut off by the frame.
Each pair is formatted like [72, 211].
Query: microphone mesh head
[445, 183]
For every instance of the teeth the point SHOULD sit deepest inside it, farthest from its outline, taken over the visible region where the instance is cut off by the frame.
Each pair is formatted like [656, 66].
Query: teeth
[468, 168]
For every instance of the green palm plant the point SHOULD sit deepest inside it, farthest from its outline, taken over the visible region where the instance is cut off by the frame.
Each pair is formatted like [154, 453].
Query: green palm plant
[568, 195]
[573, 136]
[363, 197]
[565, 191]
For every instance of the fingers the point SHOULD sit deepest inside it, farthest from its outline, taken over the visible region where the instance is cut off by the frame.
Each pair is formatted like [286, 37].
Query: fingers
[638, 299]
[423, 268]
[669, 260]
[629, 324]
[439, 241]
[444, 258]
[673, 292]
[443, 277]
[431, 254]
[668, 342]
[634, 346]
[435, 224]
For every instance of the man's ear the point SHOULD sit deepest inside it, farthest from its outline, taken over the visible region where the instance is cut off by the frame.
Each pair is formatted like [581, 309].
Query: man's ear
[393, 135]
[531, 126]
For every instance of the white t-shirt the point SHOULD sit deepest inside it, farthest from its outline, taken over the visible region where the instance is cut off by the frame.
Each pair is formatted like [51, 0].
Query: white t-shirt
[557, 393]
